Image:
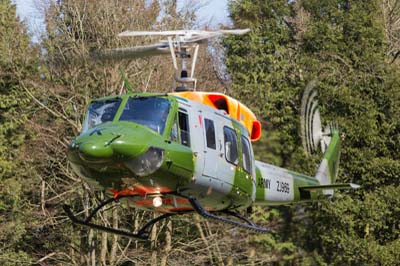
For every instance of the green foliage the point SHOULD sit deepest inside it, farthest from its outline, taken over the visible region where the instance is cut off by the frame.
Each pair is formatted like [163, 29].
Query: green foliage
[354, 231]
[13, 64]
[19, 258]
[261, 65]
[17, 65]
[342, 45]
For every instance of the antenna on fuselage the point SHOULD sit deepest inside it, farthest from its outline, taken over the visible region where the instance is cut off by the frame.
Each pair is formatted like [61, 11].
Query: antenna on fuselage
[183, 44]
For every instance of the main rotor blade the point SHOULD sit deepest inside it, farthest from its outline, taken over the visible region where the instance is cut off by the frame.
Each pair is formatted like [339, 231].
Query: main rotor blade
[188, 36]
[182, 32]
[204, 35]
[235, 32]
[152, 33]
[133, 52]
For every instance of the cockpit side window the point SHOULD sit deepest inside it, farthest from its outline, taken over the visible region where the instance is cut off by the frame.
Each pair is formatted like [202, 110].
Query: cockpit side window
[151, 112]
[174, 136]
[100, 112]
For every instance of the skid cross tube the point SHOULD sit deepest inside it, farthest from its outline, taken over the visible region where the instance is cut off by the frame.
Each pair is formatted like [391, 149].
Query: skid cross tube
[142, 233]
[249, 225]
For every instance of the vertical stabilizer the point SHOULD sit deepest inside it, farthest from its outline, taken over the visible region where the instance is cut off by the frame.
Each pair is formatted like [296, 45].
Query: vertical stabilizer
[328, 169]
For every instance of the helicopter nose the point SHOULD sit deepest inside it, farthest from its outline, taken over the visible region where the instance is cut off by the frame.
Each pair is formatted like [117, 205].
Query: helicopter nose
[114, 141]
[126, 148]
[95, 150]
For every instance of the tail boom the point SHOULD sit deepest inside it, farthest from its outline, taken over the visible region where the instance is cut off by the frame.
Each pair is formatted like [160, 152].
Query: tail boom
[276, 186]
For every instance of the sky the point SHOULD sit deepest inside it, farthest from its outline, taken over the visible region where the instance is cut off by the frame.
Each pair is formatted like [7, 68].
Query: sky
[215, 11]
[212, 13]
[28, 11]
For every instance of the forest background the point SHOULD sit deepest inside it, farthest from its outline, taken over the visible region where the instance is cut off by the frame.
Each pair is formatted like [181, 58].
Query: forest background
[349, 48]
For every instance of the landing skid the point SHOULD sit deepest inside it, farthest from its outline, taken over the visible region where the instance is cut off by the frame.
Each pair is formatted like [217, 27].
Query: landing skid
[249, 225]
[142, 234]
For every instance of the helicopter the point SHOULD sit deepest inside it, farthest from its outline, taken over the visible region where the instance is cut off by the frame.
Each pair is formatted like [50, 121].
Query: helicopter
[191, 151]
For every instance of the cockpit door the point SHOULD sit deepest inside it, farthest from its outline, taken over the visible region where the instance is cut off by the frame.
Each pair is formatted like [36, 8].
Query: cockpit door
[212, 145]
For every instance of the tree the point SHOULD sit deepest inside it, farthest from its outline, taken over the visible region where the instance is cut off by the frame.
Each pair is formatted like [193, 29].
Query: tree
[266, 77]
[342, 45]
[17, 66]
[76, 30]
[345, 47]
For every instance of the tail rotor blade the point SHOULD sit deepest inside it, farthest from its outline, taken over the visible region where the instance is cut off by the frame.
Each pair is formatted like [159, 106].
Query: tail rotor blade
[311, 128]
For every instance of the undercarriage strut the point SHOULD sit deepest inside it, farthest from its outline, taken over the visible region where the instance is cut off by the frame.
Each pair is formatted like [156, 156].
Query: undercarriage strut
[142, 234]
[248, 224]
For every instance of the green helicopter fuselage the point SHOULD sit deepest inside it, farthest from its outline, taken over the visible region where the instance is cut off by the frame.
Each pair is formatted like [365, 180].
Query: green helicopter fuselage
[164, 146]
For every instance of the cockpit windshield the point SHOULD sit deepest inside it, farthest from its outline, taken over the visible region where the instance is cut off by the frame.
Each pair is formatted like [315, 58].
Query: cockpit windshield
[151, 112]
[100, 112]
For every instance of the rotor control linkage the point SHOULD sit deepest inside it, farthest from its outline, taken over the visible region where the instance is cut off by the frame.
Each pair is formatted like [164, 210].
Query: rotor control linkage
[142, 234]
[249, 225]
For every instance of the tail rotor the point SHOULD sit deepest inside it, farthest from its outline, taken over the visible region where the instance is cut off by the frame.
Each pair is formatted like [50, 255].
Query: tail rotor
[312, 133]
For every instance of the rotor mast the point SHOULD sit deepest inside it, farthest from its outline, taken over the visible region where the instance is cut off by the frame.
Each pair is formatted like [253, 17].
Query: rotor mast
[182, 51]
[183, 44]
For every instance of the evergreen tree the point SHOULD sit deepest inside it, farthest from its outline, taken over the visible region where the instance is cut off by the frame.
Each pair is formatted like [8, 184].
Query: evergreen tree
[344, 48]
[17, 65]
[266, 77]
[341, 45]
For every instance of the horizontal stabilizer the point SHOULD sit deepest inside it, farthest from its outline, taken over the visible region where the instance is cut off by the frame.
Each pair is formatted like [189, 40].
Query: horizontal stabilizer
[332, 186]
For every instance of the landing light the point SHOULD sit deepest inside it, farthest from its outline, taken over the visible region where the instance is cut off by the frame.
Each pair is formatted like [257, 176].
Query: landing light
[147, 163]
[157, 202]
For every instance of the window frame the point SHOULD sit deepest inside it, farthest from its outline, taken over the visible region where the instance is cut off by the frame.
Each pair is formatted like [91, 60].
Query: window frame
[250, 156]
[183, 112]
[175, 130]
[209, 124]
[156, 123]
[86, 125]
[236, 161]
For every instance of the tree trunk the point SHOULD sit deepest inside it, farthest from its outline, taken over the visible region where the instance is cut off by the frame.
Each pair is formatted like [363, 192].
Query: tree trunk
[203, 237]
[114, 245]
[104, 236]
[252, 253]
[229, 261]
[42, 197]
[216, 251]
[168, 243]
[153, 239]
[104, 248]
[92, 249]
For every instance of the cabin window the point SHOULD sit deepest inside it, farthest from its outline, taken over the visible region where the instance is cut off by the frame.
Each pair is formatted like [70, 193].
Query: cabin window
[100, 112]
[184, 128]
[210, 133]
[246, 153]
[151, 112]
[230, 142]
[174, 131]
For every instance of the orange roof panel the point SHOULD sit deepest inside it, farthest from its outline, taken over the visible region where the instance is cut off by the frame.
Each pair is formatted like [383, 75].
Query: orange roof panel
[231, 106]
